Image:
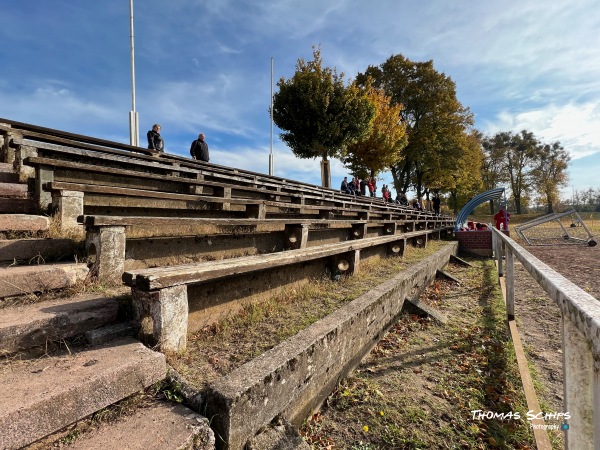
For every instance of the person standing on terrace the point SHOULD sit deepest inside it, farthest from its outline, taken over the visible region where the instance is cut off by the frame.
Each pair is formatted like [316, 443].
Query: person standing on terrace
[199, 149]
[155, 141]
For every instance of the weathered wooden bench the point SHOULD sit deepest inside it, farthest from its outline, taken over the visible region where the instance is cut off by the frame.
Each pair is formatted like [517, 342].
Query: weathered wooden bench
[160, 295]
[64, 143]
[106, 236]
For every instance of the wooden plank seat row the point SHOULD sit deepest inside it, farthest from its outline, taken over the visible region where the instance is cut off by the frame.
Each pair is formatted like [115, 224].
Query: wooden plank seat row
[127, 201]
[35, 135]
[48, 169]
[161, 294]
[169, 164]
[107, 236]
[66, 157]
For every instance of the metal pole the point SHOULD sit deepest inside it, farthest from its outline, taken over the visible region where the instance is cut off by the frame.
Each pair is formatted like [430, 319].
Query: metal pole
[271, 148]
[134, 130]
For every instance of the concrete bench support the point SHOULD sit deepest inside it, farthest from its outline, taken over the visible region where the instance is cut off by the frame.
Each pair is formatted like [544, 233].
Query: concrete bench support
[43, 175]
[223, 192]
[296, 236]
[106, 245]
[346, 263]
[256, 211]
[390, 228]
[67, 206]
[359, 230]
[397, 248]
[163, 317]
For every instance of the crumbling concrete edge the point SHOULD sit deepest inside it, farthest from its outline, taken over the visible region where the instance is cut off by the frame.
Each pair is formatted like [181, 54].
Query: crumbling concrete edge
[292, 379]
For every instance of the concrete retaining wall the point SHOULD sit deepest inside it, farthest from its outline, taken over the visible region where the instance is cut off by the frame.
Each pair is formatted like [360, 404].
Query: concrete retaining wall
[295, 377]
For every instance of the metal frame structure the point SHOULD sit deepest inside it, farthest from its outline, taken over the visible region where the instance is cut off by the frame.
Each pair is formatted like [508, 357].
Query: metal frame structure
[492, 194]
[566, 237]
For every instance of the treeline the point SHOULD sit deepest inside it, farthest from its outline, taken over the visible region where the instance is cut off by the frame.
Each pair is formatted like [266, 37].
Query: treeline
[585, 201]
[404, 117]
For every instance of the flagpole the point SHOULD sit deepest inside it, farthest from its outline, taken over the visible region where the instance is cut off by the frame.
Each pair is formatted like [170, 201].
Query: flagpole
[134, 129]
[271, 147]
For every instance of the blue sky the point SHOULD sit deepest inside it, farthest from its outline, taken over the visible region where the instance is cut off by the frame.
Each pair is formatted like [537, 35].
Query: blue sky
[205, 66]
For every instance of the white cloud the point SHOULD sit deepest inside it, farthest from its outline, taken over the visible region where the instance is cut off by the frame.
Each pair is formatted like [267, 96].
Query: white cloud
[577, 127]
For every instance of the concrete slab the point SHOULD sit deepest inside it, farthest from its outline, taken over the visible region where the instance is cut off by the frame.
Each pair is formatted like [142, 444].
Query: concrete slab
[416, 306]
[23, 222]
[99, 336]
[22, 280]
[163, 426]
[14, 190]
[17, 205]
[27, 249]
[29, 326]
[44, 395]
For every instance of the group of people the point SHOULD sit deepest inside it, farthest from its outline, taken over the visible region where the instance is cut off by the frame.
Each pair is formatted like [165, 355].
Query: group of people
[198, 150]
[359, 187]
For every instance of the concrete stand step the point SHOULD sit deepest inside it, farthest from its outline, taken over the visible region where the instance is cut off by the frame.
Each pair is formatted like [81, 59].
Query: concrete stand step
[25, 327]
[13, 190]
[8, 176]
[23, 222]
[23, 280]
[163, 426]
[17, 205]
[32, 249]
[44, 395]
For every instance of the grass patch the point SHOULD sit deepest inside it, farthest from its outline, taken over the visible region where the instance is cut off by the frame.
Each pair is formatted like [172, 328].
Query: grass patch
[419, 386]
[218, 349]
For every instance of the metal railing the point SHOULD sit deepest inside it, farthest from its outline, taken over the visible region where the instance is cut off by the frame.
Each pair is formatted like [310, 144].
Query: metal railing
[580, 329]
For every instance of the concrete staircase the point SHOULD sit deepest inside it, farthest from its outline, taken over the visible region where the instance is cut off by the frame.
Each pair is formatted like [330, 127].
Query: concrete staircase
[42, 395]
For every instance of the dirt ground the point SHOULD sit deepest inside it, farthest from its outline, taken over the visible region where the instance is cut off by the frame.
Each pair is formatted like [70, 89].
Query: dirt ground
[538, 317]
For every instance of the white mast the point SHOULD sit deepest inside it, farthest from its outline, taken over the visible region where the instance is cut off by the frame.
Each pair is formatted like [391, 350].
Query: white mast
[271, 148]
[134, 129]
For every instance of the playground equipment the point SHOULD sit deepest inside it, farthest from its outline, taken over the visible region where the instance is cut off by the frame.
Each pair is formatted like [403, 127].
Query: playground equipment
[556, 228]
[492, 194]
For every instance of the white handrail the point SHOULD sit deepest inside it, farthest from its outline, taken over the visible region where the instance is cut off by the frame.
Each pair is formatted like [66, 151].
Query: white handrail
[580, 326]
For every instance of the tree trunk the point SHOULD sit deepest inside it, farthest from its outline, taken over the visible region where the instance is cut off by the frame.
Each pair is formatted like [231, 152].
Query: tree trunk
[550, 207]
[325, 173]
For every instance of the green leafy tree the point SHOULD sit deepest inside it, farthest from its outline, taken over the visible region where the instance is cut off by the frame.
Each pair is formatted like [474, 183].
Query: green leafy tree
[463, 181]
[319, 114]
[382, 147]
[549, 172]
[520, 155]
[434, 118]
[493, 168]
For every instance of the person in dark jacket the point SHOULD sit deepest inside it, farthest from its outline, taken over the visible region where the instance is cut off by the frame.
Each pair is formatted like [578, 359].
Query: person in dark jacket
[199, 149]
[155, 141]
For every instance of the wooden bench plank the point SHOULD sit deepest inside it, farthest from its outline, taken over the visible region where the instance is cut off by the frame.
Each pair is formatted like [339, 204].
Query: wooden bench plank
[93, 220]
[162, 277]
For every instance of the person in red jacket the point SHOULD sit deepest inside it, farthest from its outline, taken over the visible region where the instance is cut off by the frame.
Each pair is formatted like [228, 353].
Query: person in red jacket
[501, 219]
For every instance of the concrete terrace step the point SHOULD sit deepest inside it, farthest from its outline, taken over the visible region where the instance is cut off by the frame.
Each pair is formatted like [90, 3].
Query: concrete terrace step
[13, 190]
[44, 395]
[8, 174]
[163, 426]
[17, 205]
[23, 222]
[22, 280]
[24, 327]
[33, 249]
